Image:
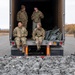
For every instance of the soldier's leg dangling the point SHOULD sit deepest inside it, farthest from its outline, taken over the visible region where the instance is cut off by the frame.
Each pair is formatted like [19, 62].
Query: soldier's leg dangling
[17, 41]
[40, 42]
[23, 39]
[37, 43]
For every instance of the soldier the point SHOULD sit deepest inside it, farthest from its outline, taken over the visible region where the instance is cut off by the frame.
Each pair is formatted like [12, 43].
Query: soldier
[22, 16]
[38, 35]
[20, 34]
[36, 17]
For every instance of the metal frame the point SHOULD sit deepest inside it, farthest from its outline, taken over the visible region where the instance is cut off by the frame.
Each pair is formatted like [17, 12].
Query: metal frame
[10, 20]
[63, 19]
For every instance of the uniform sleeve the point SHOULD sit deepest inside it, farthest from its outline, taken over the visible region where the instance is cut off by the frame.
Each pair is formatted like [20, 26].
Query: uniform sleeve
[26, 16]
[15, 32]
[32, 17]
[41, 15]
[18, 16]
[43, 34]
[34, 34]
[26, 32]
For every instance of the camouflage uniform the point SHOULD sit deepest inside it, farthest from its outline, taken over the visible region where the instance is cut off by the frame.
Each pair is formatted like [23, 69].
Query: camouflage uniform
[20, 35]
[36, 17]
[38, 35]
[22, 16]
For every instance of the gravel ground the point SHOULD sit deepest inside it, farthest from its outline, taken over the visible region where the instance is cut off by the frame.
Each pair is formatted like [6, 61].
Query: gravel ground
[37, 66]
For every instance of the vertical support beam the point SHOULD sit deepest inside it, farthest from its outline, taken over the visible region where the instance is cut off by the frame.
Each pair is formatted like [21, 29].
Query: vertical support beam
[60, 14]
[10, 19]
[13, 12]
[63, 19]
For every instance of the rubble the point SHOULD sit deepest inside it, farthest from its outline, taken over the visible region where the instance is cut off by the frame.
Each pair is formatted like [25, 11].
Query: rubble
[37, 66]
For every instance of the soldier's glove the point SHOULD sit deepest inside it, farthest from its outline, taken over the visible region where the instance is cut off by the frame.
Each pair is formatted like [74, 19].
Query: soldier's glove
[15, 35]
[34, 38]
[19, 36]
[23, 36]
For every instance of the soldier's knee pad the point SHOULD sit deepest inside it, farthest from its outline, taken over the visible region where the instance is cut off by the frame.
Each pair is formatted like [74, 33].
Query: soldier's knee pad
[23, 40]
